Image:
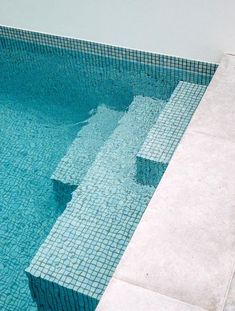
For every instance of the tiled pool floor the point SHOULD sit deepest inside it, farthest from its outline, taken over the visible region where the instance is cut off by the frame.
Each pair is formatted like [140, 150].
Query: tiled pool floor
[27, 208]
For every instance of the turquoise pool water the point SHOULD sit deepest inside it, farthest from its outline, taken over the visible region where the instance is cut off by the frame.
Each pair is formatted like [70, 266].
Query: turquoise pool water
[45, 99]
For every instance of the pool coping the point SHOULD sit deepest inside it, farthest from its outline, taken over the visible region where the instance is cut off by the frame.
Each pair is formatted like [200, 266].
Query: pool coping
[207, 149]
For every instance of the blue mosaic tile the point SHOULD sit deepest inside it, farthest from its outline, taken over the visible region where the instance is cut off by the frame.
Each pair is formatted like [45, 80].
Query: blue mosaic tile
[164, 136]
[85, 245]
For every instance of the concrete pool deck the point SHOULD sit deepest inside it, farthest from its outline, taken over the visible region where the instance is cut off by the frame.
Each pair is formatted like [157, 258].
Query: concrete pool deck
[182, 255]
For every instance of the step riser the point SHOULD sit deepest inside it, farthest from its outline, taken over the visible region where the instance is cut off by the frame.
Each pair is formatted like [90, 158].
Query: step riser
[149, 172]
[63, 193]
[46, 294]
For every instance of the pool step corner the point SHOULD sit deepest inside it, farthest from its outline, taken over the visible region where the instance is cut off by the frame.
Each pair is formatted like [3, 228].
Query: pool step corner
[163, 138]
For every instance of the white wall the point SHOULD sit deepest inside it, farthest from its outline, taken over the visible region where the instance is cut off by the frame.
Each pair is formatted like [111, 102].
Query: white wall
[197, 29]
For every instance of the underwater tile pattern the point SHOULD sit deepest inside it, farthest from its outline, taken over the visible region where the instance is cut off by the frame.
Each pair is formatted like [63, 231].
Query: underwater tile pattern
[82, 152]
[188, 70]
[164, 136]
[85, 245]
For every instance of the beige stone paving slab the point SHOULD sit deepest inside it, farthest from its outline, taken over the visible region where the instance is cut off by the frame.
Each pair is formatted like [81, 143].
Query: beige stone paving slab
[216, 113]
[184, 246]
[128, 297]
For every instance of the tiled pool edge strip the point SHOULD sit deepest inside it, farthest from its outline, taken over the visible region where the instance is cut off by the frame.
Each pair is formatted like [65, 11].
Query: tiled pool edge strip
[148, 58]
[164, 136]
[196, 193]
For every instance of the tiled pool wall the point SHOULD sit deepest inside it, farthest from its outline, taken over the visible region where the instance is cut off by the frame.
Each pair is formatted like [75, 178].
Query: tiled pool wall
[156, 64]
[171, 68]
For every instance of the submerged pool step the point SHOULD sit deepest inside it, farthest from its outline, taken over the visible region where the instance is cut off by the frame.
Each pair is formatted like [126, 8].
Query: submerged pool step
[82, 152]
[74, 265]
[164, 136]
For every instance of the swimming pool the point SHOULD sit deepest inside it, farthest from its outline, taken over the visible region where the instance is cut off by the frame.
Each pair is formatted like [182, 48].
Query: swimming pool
[72, 123]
